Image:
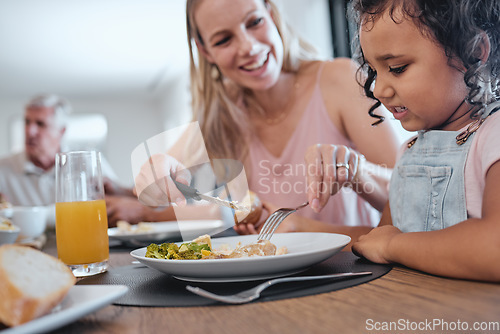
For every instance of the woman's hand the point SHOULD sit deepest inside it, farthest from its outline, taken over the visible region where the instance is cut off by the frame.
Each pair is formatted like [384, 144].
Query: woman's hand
[154, 184]
[374, 246]
[328, 169]
[245, 228]
[254, 224]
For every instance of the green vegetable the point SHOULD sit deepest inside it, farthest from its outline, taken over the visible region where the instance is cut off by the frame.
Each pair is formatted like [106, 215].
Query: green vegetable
[170, 251]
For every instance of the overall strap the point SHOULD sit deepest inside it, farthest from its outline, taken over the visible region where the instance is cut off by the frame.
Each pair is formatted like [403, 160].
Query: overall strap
[489, 110]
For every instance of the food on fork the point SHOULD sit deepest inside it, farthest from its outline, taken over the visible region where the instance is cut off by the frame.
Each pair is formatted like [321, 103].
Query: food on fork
[32, 283]
[252, 216]
[201, 248]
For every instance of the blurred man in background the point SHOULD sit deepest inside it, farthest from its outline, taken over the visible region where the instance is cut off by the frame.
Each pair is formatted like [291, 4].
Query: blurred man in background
[28, 178]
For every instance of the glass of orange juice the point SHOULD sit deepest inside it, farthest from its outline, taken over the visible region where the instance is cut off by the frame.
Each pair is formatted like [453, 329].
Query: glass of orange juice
[81, 219]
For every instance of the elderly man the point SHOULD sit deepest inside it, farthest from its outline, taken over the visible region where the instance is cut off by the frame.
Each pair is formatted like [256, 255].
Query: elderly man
[28, 178]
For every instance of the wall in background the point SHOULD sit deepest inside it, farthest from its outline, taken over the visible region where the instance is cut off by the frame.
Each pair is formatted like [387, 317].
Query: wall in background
[311, 20]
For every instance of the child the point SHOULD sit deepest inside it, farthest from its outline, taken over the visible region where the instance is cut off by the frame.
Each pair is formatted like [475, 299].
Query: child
[435, 66]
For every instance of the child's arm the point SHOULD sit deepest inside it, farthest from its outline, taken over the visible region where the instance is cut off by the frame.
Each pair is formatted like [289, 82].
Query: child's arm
[470, 249]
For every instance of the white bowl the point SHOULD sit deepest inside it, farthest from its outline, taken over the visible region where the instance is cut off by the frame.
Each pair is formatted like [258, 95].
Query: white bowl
[32, 220]
[9, 236]
[6, 212]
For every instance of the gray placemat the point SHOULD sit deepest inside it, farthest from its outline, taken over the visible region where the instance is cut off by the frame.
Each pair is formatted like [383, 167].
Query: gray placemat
[149, 287]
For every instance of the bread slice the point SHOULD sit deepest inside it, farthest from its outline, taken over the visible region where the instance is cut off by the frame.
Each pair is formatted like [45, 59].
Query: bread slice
[32, 283]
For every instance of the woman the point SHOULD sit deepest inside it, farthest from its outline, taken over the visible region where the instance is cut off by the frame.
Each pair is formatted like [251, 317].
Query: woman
[261, 97]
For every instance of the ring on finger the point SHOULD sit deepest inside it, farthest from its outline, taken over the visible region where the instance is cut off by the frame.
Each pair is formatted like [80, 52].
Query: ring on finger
[342, 165]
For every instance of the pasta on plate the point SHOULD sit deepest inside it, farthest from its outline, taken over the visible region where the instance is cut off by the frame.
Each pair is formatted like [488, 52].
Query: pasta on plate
[201, 248]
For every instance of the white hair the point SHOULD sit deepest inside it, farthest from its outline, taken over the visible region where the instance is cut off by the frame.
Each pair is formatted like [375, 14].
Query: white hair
[62, 108]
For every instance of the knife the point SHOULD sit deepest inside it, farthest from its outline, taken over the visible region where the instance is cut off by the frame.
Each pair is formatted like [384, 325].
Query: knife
[190, 192]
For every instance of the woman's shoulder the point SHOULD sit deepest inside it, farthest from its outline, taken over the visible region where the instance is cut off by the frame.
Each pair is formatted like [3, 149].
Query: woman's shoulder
[334, 75]
[331, 64]
[340, 66]
[331, 67]
[338, 73]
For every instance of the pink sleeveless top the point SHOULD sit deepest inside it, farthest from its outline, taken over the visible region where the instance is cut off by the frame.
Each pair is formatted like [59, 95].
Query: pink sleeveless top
[282, 180]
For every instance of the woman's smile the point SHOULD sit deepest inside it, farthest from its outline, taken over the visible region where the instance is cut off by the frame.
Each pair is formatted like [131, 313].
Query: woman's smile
[258, 63]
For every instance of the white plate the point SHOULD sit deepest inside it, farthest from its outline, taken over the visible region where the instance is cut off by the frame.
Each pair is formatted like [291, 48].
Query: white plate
[304, 250]
[168, 230]
[80, 301]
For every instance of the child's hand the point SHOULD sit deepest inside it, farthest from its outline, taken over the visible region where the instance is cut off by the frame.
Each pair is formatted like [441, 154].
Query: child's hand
[374, 245]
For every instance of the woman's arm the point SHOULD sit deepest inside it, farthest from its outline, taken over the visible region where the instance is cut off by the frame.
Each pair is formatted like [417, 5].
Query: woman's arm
[348, 108]
[470, 249]
[153, 183]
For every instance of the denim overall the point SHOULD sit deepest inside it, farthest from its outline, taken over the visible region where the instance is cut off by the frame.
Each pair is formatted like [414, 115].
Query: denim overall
[427, 189]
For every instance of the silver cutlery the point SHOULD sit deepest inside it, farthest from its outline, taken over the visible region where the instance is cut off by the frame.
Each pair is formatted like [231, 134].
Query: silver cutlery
[190, 192]
[254, 293]
[193, 193]
[273, 221]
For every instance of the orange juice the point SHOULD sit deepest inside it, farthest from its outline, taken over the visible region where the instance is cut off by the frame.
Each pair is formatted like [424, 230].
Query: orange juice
[82, 232]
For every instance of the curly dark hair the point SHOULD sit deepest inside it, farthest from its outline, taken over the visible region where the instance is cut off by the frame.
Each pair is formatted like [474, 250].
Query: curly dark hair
[462, 27]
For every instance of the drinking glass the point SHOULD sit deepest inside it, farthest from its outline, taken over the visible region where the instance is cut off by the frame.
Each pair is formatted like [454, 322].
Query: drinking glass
[81, 219]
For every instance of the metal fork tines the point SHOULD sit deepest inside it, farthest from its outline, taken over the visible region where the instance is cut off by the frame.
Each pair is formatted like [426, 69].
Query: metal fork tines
[254, 293]
[273, 221]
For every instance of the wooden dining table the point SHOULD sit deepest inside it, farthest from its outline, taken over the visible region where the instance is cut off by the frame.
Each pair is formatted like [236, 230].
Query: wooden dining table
[402, 301]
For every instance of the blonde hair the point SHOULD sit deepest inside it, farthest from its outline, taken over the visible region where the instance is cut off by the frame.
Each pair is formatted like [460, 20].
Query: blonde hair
[219, 105]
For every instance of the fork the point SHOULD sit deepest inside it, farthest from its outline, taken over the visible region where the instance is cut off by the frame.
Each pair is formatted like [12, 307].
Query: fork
[254, 293]
[273, 221]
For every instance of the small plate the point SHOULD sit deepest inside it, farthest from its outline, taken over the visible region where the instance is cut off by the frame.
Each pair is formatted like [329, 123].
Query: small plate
[304, 250]
[80, 301]
[162, 231]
